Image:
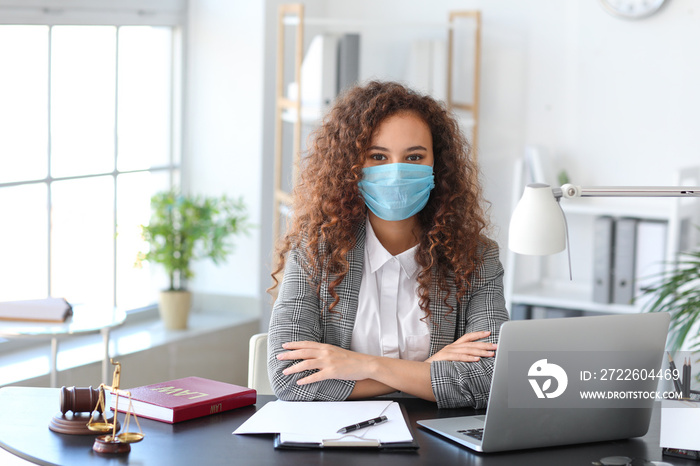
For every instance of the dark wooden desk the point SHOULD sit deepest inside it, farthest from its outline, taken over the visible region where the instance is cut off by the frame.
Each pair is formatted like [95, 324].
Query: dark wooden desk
[26, 412]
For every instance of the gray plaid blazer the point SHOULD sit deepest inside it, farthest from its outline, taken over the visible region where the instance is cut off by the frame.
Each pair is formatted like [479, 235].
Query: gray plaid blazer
[301, 314]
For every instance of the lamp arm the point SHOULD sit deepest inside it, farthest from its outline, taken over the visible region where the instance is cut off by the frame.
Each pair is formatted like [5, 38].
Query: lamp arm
[570, 191]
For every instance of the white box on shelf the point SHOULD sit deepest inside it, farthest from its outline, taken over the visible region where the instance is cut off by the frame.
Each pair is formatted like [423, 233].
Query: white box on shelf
[650, 261]
[679, 422]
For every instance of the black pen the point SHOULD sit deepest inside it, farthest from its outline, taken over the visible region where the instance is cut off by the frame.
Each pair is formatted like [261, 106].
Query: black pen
[363, 424]
[676, 381]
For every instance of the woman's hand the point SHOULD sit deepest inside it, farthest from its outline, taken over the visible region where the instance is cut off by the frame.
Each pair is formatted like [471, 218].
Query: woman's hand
[466, 349]
[331, 361]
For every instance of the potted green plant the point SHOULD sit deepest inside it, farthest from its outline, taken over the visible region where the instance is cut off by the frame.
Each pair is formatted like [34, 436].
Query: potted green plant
[678, 293]
[184, 228]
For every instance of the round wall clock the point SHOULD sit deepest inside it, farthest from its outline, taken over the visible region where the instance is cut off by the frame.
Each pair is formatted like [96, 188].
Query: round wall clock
[633, 9]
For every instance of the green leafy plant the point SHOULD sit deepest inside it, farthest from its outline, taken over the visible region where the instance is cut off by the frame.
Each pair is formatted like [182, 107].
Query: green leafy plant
[184, 228]
[678, 293]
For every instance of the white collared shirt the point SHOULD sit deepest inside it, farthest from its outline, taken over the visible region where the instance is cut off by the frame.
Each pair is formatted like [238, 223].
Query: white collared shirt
[388, 315]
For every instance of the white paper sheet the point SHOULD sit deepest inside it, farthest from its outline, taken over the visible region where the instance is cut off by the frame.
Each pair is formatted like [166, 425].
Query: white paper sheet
[313, 422]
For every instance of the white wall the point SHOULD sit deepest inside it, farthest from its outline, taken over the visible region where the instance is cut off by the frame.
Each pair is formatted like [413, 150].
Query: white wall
[223, 126]
[635, 95]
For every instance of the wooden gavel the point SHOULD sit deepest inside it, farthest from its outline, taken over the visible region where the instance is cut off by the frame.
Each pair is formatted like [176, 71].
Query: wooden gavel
[80, 399]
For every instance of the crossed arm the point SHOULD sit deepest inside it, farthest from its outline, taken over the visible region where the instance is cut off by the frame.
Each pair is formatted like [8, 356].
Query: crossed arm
[376, 375]
[302, 368]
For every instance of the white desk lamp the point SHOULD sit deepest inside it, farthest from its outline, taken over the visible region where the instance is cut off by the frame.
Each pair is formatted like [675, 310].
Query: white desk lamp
[538, 226]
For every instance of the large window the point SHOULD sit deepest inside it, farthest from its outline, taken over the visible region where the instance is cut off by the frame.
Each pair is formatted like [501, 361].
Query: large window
[87, 131]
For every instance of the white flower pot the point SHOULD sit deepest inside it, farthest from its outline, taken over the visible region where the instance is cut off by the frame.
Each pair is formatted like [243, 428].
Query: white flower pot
[174, 309]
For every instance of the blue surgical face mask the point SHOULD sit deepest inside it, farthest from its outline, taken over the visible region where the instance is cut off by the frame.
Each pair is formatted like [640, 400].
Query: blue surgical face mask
[396, 191]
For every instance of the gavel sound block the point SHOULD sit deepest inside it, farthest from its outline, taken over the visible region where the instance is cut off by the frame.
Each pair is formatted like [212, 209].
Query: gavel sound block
[77, 406]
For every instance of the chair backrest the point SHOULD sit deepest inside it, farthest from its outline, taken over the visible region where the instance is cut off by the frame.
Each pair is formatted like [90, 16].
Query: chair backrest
[257, 365]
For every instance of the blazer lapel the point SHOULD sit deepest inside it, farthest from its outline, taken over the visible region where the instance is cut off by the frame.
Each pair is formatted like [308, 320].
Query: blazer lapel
[338, 327]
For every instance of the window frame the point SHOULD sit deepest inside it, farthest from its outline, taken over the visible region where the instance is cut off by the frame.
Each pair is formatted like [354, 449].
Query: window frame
[157, 13]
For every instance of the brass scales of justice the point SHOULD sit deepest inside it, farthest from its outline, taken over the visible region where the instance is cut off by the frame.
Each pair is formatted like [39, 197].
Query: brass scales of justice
[78, 416]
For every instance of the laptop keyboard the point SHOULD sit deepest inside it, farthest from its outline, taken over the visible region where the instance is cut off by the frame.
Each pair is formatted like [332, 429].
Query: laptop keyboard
[476, 433]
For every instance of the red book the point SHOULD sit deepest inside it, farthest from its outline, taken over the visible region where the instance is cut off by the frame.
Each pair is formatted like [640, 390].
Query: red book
[183, 399]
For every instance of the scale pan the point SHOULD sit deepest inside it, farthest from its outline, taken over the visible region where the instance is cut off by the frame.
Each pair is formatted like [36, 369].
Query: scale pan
[130, 437]
[100, 426]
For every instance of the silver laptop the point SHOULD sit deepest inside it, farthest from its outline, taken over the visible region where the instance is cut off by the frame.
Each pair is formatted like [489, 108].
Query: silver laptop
[567, 381]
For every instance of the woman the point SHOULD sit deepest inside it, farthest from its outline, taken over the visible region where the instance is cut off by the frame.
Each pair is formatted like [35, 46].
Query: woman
[389, 282]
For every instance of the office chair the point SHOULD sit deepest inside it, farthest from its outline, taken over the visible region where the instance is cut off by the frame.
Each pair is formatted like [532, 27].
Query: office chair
[257, 365]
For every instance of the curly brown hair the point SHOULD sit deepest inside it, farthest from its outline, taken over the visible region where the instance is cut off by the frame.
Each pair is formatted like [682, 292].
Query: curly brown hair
[328, 206]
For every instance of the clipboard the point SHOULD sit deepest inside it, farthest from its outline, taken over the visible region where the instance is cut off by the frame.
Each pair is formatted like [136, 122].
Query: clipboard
[364, 444]
[346, 442]
[314, 424]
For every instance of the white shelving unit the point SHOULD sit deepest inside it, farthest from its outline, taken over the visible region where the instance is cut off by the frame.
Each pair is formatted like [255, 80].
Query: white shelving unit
[544, 281]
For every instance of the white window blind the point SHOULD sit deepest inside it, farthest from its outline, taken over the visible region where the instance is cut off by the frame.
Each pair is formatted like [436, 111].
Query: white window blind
[93, 12]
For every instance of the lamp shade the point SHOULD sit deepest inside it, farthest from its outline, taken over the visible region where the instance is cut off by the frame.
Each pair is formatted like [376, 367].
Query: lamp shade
[537, 226]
